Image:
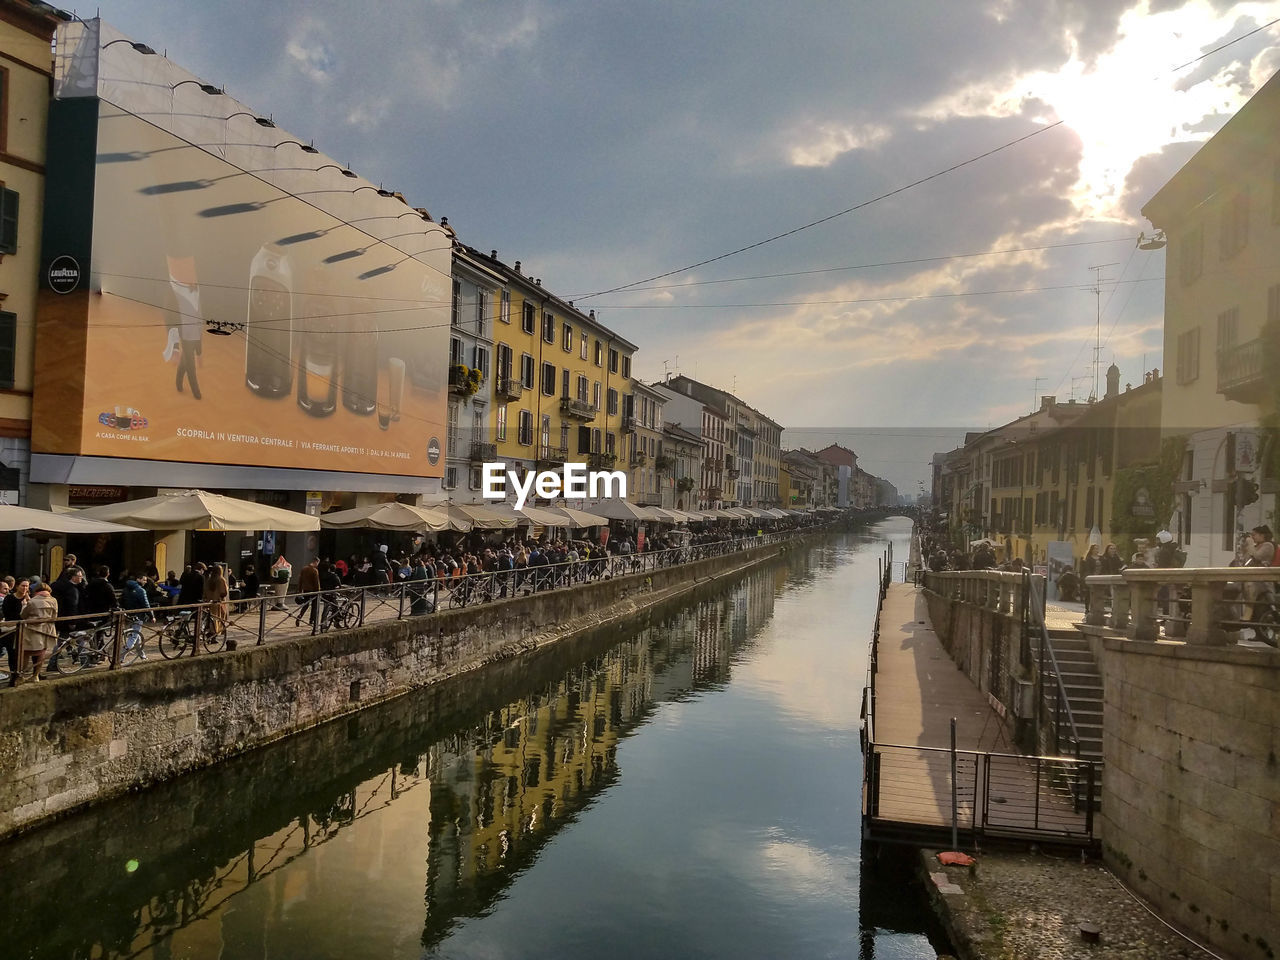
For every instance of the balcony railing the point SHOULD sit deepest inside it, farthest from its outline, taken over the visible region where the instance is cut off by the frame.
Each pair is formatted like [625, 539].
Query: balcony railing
[483, 452]
[553, 455]
[602, 461]
[509, 388]
[578, 409]
[1240, 372]
[639, 458]
[629, 423]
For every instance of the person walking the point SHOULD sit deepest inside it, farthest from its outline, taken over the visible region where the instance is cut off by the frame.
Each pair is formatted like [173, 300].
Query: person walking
[39, 631]
[308, 589]
[11, 610]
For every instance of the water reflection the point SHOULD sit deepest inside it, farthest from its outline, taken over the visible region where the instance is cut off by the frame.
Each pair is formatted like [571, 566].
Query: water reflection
[387, 834]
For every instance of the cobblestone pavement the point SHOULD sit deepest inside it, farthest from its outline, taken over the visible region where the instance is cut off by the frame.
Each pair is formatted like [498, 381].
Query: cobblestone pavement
[1025, 906]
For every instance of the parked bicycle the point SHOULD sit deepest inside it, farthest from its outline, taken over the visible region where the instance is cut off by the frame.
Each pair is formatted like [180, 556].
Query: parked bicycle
[87, 646]
[179, 634]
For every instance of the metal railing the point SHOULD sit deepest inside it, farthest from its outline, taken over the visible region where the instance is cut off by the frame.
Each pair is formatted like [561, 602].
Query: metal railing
[120, 638]
[1061, 702]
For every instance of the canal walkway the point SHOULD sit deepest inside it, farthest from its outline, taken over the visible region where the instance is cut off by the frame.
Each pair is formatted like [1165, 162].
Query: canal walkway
[918, 689]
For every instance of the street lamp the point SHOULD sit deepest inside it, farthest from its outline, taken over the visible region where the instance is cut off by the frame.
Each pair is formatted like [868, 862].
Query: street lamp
[139, 47]
[342, 170]
[208, 88]
[305, 147]
[260, 121]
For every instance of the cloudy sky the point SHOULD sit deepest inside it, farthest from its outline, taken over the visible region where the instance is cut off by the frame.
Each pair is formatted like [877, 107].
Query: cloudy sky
[605, 143]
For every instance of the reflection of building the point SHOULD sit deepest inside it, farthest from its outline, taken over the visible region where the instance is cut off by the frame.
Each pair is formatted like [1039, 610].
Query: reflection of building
[1220, 213]
[222, 306]
[26, 30]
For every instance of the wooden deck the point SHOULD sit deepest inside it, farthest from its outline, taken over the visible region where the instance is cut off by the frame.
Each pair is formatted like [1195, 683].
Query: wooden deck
[918, 690]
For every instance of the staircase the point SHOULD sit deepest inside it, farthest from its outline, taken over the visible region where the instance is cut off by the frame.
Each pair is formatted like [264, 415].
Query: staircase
[1082, 683]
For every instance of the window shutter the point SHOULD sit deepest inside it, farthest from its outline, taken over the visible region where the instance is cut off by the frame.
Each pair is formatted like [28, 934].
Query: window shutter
[8, 221]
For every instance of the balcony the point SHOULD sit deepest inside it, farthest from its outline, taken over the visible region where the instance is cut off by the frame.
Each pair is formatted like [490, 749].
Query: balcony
[508, 388]
[484, 452]
[552, 456]
[732, 473]
[601, 461]
[577, 409]
[1240, 372]
[664, 464]
[711, 464]
[629, 422]
[639, 458]
[463, 380]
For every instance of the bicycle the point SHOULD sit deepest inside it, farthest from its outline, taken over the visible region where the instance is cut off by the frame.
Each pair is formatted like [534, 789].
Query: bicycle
[339, 613]
[178, 635]
[82, 648]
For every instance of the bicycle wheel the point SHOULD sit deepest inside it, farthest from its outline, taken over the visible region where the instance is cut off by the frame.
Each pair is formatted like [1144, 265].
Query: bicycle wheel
[174, 639]
[67, 657]
[346, 616]
[134, 641]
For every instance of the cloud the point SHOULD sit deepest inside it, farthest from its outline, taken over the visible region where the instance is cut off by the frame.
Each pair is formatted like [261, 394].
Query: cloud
[821, 146]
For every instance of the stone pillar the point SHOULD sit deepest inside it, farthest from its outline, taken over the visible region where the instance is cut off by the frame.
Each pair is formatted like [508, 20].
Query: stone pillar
[1206, 603]
[1097, 614]
[1142, 596]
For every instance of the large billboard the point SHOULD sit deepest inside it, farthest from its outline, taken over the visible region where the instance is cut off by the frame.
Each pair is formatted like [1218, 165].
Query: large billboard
[241, 303]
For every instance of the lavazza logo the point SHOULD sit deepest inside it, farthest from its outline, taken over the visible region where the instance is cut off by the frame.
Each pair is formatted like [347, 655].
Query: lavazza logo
[576, 483]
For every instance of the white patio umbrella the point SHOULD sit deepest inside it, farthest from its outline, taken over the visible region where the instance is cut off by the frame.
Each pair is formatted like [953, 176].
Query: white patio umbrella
[538, 516]
[479, 516]
[390, 516]
[581, 518]
[200, 510]
[622, 510]
[670, 516]
[44, 521]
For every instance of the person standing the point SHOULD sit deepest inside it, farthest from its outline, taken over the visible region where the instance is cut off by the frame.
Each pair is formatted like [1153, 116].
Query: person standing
[215, 594]
[39, 631]
[11, 610]
[65, 593]
[281, 574]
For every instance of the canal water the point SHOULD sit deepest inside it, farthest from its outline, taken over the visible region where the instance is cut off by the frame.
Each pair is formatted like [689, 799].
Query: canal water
[685, 787]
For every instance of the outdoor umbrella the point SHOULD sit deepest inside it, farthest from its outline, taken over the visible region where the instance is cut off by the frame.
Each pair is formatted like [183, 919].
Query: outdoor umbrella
[44, 521]
[670, 516]
[200, 510]
[737, 513]
[777, 513]
[478, 516]
[581, 518]
[390, 516]
[622, 510]
[534, 515]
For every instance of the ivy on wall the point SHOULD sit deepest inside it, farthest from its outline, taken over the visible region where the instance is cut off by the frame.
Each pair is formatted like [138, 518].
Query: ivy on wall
[1157, 479]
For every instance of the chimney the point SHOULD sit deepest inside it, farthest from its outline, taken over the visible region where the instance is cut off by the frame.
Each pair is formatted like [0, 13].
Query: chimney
[493, 254]
[517, 266]
[591, 314]
[1046, 403]
[537, 282]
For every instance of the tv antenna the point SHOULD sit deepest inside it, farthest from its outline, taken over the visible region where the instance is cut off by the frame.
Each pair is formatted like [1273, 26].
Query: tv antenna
[1035, 392]
[1096, 290]
[667, 365]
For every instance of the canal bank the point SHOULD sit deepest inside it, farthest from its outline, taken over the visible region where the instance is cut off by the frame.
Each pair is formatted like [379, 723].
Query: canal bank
[678, 785]
[67, 744]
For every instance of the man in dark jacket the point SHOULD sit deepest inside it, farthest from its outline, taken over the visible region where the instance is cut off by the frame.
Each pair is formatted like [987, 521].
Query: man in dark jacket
[99, 595]
[66, 590]
[191, 585]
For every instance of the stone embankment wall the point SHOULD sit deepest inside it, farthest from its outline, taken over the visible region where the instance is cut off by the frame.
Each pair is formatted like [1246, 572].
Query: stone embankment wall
[68, 743]
[1191, 794]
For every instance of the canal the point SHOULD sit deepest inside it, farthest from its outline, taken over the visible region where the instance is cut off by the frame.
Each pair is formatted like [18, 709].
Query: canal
[685, 787]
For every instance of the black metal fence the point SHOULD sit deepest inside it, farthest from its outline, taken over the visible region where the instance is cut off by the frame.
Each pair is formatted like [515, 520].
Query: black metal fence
[123, 637]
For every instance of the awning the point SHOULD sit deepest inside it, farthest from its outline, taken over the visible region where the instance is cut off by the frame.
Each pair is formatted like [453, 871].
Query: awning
[538, 516]
[623, 510]
[580, 518]
[45, 521]
[391, 516]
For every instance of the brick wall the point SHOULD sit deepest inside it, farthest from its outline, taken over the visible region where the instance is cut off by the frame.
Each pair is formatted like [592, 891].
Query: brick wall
[1191, 794]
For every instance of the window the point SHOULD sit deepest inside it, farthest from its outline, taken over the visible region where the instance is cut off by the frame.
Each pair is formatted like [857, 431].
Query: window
[450, 477]
[584, 439]
[566, 338]
[526, 371]
[1233, 233]
[1188, 370]
[500, 422]
[526, 317]
[595, 394]
[482, 308]
[599, 354]
[546, 432]
[456, 355]
[8, 341]
[583, 351]
[583, 389]
[564, 383]
[595, 440]
[626, 366]
[564, 437]
[504, 308]
[524, 431]
[504, 361]
[548, 328]
[609, 442]
[1228, 328]
[548, 380]
[482, 360]
[473, 478]
[457, 301]
[613, 401]
[613, 360]
[451, 431]
[8, 221]
[477, 424]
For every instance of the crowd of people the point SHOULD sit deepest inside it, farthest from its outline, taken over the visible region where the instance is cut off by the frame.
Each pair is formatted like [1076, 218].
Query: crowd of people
[516, 564]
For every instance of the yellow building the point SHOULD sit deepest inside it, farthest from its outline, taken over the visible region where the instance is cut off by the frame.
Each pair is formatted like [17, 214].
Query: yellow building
[558, 380]
[26, 71]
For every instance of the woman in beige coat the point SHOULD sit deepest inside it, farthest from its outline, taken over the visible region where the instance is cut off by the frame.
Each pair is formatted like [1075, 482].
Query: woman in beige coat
[39, 633]
[215, 594]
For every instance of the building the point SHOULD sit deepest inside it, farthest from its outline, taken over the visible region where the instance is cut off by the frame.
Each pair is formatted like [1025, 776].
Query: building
[643, 426]
[683, 451]
[559, 377]
[213, 311]
[26, 70]
[469, 424]
[1220, 214]
[699, 418]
